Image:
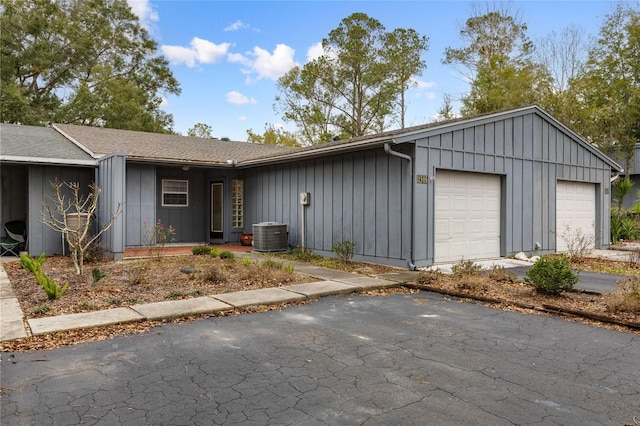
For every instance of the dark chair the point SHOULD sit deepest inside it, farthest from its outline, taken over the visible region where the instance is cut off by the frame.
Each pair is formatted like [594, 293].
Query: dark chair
[14, 240]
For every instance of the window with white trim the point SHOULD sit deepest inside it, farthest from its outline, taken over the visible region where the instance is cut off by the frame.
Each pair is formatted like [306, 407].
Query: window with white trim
[237, 203]
[175, 193]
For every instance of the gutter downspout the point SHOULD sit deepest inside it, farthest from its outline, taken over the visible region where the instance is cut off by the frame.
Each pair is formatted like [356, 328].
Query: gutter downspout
[389, 151]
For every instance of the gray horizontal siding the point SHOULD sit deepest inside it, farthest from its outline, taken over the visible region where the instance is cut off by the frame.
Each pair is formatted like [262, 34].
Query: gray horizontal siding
[362, 197]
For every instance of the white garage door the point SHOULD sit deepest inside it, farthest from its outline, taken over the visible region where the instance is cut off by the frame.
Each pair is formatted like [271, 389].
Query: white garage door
[467, 216]
[575, 212]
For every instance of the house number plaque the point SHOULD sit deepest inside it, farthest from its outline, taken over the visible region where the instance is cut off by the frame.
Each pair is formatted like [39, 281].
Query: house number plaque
[422, 179]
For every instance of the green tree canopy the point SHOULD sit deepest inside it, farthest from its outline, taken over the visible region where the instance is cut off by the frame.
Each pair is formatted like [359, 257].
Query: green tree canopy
[355, 87]
[273, 136]
[608, 90]
[497, 56]
[81, 62]
[201, 130]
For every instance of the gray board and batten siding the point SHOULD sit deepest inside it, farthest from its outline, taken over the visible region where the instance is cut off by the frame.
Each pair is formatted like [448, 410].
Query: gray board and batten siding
[531, 154]
[385, 204]
[363, 197]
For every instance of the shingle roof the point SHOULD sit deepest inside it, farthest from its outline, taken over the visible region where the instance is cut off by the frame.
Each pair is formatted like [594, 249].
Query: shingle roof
[39, 145]
[164, 147]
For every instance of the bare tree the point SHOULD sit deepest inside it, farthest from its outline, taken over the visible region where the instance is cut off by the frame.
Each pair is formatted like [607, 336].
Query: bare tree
[74, 216]
[563, 55]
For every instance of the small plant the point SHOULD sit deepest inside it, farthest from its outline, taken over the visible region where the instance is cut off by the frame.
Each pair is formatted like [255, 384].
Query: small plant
[272, 264]
[42, 309]
[97, 275]
[214, 252]
[50, 287]
[246, 261]
[577, 242]
[214, 275]
[625, 297]
[174, 294]
[551, 275]
[344, 250]
[289, 268]
[500, 274]
[115, 301]
[227, 255]
[466, 267]
[201, 250]
[304, 254]
[196, 293]
[156, 236]
[138, 275]
[634, 259]
[429, 276]
[30, 264]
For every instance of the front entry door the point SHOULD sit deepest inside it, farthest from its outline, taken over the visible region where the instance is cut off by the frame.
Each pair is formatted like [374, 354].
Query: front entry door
[217, 217]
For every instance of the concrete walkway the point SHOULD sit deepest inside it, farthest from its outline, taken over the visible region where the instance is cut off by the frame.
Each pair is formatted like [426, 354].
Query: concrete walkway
[330, 282]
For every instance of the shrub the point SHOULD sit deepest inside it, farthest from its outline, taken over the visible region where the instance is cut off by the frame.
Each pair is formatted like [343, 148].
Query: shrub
[156, 236]
[30, 264]
[50, 287]
[466, 267]
[625, 297]
[214, 275]
[246, 261]
[289, 268]
[623, 226]
[201, 250]
[214, 252]
[97, 275]
[227, 255]
[577, 242]
[429, 276]
[551, 275]
[500, 274]
[344, 250]
[272, 264]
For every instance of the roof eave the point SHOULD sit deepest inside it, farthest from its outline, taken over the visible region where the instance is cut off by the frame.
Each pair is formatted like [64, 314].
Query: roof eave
[47, 161]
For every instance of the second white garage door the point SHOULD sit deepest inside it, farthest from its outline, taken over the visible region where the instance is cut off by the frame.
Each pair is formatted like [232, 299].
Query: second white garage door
[467, 216]
[575, 212]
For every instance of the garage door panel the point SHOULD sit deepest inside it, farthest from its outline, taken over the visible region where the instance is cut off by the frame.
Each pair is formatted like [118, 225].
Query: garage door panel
[575, 211]
[471, 204]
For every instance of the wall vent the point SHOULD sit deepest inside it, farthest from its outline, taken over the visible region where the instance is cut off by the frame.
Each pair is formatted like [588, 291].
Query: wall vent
[270, 236]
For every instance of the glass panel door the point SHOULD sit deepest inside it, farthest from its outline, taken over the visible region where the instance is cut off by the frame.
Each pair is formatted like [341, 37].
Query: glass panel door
[217, 208]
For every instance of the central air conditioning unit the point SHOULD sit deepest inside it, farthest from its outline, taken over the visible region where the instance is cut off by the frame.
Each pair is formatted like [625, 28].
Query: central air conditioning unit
[270, 236]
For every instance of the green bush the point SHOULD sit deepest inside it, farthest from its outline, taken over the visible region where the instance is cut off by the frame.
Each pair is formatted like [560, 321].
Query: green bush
[246, 261]
[344, 250]
[624, 226]
[201, 250]
[50, 287]
[30, 264]
[272, 264]
[289, 268]
[214, 252]
[227, 255]
[551, 275]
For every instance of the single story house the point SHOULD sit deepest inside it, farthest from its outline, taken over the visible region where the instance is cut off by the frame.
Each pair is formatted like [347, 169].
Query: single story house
[472, 188]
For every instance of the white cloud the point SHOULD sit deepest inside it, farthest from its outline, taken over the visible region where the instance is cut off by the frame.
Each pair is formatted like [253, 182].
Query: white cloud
[315, 51]
[242, 118]
[419, 84]
[238, 25]
[238, 98]
[145, 12]
[200, 50]
[239, 58]
[273, 65]
[180, 55]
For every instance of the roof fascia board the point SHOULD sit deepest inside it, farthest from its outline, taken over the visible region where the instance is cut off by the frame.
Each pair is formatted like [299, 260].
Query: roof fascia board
[320, 151]
[75, 142]
[52, 161]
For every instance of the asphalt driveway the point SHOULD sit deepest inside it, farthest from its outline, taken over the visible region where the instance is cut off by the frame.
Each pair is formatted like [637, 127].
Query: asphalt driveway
[346, 360]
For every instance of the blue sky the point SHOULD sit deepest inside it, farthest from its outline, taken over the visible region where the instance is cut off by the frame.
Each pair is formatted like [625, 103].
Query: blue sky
[227, 55]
